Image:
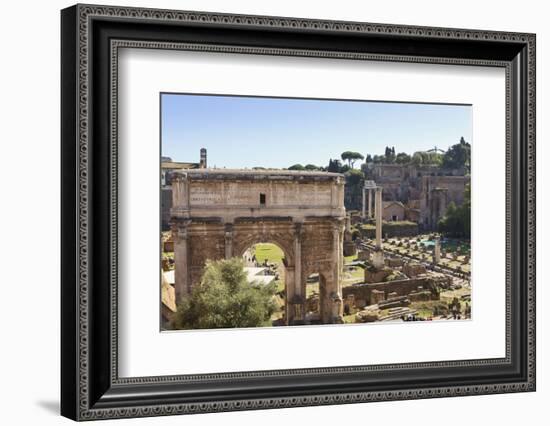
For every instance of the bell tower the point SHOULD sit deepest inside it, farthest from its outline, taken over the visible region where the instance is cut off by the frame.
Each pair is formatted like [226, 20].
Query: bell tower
[202, 163]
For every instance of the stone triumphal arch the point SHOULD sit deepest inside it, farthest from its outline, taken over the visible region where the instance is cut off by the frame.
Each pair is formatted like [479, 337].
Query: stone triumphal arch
[220, 213]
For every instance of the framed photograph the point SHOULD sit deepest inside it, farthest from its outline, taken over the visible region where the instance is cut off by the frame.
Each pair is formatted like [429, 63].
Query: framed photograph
[263, 212]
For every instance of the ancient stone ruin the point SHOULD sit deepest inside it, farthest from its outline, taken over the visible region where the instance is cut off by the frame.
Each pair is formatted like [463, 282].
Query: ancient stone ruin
[220, 213]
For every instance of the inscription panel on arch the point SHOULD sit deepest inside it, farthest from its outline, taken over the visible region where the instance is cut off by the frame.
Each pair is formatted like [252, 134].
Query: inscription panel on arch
[272, 194]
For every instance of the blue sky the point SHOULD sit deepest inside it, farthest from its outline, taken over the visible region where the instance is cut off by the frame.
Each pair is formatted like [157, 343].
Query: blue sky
[244, 132]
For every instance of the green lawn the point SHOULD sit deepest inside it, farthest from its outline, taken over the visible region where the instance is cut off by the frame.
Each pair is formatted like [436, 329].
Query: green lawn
[268, 251]
[357, 275]
[449, 295]
[168, 255]
[312, 288]
[368, 226]
[429, 308]
[454, 244]
[349, 319]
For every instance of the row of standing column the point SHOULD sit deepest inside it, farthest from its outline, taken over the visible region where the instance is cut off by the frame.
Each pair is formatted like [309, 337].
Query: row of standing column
[367, 203]
[377, 210]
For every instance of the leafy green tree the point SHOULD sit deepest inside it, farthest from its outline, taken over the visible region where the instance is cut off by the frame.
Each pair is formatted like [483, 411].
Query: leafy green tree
[311, 167]
[434, 159]
[467, 211]
[354, 177]
[353, 187]
[369, 158]
[417, 158]
[225, 299]
[402, 158]
[334, 166]
[457, 220]
[296, 167]
[351, 157]
[423, 158]
[389, 155]
[458, 156]
[449, 224]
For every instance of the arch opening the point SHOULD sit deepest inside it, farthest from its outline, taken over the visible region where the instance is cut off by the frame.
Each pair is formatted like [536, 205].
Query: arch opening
[265, 263]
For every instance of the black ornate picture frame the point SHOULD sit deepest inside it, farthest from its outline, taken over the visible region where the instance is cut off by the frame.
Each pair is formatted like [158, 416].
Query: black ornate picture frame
[90, 38]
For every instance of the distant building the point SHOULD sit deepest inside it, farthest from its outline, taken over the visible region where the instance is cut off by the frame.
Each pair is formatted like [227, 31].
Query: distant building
[393, 211]
[202, 163]
[167, 167]
[436, 194]
[418, 194]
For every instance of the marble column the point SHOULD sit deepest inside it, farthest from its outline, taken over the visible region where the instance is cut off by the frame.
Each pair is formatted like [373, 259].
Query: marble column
[370, 204]
[289, 294]
[180, 195]
[378, 216]
[336, 251]
[181, 261]
[296, 297]
[442, 206]
[363, 210]
[338, 265]
[437, 250]
[228, 240]
[298, 259]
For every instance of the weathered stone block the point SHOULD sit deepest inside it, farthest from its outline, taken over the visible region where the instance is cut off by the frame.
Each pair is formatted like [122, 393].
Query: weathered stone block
[363, 255]
[373, 275]
[394, 262]
[376, 296]
[377, 259]
[349, 248]
[367, 315]
[360, 303]
[413, 269]
[394, 303]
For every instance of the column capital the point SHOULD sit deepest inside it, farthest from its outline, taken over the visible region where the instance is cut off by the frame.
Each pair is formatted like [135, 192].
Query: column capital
[339, 224]
[298, 229]
[180, 229]
[179, 176]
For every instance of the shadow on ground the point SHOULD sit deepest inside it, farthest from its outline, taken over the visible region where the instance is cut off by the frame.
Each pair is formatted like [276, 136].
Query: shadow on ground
[51, 406]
